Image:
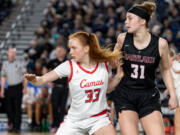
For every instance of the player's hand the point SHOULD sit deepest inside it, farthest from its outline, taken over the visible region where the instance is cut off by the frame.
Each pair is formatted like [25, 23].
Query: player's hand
[30, 77]
[120, 71]
[173, 102]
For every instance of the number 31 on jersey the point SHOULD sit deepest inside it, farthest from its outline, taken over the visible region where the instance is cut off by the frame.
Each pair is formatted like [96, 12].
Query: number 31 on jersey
[138, 71]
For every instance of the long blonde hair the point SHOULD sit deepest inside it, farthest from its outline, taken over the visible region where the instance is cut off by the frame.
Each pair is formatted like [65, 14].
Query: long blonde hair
[96, 53]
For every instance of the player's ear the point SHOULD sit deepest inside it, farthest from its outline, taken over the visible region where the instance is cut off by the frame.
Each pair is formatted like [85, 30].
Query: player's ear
[86, 48]
[143, 21]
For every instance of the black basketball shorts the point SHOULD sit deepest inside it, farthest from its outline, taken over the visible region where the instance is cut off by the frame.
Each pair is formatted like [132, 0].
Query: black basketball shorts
[143, 102]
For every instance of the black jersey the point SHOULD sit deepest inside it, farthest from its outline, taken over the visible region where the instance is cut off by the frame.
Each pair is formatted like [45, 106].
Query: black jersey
[139, 65]
[53, 64]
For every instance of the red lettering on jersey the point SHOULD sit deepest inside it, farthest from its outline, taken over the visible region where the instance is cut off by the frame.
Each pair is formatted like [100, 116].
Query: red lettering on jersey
[90, 96]
[139, 58]
[84, 84]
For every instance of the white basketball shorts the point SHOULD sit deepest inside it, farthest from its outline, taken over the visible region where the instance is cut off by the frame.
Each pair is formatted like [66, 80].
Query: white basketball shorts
[86, 126]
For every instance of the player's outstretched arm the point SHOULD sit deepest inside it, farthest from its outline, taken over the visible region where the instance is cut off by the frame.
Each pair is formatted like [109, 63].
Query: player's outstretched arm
[40, 80]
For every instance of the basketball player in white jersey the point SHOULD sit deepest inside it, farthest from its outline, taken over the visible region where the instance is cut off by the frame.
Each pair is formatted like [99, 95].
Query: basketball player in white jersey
[88, 74]
[174, 62]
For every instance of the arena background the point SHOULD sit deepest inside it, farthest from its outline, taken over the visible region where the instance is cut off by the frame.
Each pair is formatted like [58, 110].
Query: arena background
[35, 27]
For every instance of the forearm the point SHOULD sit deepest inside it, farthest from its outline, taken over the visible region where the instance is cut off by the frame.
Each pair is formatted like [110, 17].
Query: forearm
[3, 79]
[25, 82]
[168, 80]
[40, 80]
[113, 83]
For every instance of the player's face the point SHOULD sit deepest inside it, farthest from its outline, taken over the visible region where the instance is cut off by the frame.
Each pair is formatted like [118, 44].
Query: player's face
[77, 50]
[132, 22]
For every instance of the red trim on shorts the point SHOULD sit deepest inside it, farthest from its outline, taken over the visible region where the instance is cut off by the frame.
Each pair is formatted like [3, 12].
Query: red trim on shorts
[106, 64]
[89, 72]
[110, 119]
[71, 66]
[101, 113]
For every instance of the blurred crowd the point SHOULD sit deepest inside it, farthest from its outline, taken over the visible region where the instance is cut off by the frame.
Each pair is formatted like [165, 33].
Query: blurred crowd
[103, 17]
[5, 8]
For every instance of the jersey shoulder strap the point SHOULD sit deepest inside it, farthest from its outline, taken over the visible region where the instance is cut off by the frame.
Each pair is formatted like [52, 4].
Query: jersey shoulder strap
[71, 67]
[128, 39]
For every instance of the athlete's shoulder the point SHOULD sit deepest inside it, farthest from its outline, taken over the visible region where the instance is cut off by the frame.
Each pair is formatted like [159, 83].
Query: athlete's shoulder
[120, 41]
[163, 43]
[163, 46]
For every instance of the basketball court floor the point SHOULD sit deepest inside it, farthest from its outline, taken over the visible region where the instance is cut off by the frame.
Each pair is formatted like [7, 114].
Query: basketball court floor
[25, 133]
[32, 133]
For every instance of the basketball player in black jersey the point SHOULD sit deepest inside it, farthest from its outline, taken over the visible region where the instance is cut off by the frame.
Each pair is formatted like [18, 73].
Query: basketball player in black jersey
[137, 97]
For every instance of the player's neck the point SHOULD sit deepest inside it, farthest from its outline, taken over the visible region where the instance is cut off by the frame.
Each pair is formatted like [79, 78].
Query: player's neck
[11, 60]
[88, 63]
[140, 35]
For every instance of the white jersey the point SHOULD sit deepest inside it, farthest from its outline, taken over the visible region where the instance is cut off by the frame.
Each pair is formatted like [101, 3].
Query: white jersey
[87, 87]
[176, 77]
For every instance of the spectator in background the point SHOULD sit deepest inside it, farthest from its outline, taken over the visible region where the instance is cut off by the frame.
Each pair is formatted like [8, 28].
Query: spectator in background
[43, 107]
[12, 72]
[61, 16]
[177, 41]
[38, 67]
[32, 51]
[28, 102]
[156, 30]
[59, 88]
[5, 9]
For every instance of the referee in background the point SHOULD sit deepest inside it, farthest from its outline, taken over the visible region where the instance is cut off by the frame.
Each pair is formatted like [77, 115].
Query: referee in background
[12, 73]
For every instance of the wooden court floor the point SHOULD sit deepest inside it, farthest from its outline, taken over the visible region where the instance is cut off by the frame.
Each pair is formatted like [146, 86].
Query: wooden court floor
[33, 133]
[25, 133]
[30, 133]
